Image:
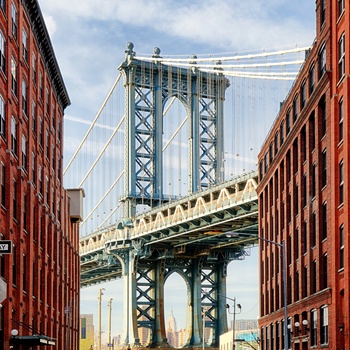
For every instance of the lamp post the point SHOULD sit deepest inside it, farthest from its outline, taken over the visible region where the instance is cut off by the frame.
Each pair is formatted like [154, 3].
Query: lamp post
[99, 299]
[234, 320]
[284, 268]
[110, 345]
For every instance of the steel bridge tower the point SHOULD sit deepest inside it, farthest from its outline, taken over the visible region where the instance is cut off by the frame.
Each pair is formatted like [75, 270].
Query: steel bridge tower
[148, 87]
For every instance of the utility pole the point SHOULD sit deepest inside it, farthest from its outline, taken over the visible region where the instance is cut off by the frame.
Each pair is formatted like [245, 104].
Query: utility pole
[110, 345]
[99, 299]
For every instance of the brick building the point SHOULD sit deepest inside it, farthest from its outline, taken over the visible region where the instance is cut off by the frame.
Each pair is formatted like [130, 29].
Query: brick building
[42, 272]
[304, 197]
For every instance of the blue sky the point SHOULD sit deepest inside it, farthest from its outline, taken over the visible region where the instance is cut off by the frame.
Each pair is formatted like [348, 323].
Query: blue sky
[89, 39]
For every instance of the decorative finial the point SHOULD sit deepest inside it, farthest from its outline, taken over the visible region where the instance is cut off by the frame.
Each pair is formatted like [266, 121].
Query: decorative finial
[129, 53]
[156, 51]
[194, 57]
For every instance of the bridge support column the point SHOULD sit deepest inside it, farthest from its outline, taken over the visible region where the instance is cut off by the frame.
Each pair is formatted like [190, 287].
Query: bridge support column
[159, 334]
[130, 336]
[194, 309]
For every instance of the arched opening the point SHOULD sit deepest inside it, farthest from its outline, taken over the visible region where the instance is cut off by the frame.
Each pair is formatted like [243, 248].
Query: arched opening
[175, 148]
[175, 310]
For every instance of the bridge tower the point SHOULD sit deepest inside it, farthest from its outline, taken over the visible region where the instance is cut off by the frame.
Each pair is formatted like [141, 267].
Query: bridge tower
[148, 87]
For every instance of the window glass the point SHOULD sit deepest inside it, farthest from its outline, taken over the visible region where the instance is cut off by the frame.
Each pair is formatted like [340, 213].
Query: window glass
[2, 53]
[322, 61]
[341, 57]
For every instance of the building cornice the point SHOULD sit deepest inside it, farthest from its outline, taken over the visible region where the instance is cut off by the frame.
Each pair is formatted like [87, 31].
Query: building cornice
[42, 37]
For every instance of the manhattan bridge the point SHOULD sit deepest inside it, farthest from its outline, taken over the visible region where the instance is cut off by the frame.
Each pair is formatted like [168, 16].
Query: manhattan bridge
[168, 167]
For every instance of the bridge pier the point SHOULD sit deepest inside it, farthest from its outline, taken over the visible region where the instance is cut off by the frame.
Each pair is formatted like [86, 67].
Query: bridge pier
[144, 280]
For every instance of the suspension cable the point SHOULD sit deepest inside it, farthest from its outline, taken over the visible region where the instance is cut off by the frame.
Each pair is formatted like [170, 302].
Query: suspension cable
[92, 124]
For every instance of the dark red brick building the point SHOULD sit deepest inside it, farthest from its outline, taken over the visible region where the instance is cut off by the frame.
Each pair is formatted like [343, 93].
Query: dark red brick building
[42, 272]
[304, 197]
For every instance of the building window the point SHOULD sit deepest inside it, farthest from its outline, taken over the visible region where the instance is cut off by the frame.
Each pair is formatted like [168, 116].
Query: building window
[303, 94]
[41, 85]
[34, 117]
[2, 117]
[282, 133]
[323, 115]
[34, 68]
[303, 144]
[14, 20]
[323, 12]
[314, 275]
[340, 7]
[312, 133]
[14, 200]
[33, 169]
[313, 326]
[304, 283]
[24, 275]
[324, 168]
[296, 245]
[324, 220]
[295, 108]
[313, 230]
[305, 237]
[40, 175]
[24, 45]
[288, 122]
[41, 131]
[47, 101]
[14, 135]
[59, 126]
[47, 141]
[304, 189]
[311, 79]
[341, 119]
[14, 76]
[313, 179]
[322, 61]
[14, 265]
[3, 5]
[324, 277]
[341, 56]
[324, 325]
[3, 184]
[276, 142]
[341, 246]
[24, 153]
[24, 98]
[341, 183]
[2, 53]
[47, 194]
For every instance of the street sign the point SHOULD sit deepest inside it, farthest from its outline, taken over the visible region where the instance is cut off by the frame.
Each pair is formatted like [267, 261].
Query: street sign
[5, 247]
[3, 290]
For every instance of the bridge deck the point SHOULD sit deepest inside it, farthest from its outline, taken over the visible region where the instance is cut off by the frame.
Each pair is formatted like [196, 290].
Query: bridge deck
[219, 220]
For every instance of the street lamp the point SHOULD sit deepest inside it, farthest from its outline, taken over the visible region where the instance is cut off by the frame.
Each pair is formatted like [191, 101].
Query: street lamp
[233, 319]
[110, 345]
[99, 299]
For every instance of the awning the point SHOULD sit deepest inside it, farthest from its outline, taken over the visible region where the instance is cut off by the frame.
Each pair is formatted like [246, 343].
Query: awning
[38, 340]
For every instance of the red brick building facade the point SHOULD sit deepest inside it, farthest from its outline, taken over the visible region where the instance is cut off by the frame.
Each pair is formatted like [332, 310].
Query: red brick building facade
[304, 197]
[42, 272]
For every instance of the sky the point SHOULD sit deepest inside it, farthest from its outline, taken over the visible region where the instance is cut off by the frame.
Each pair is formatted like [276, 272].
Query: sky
[89, 40]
